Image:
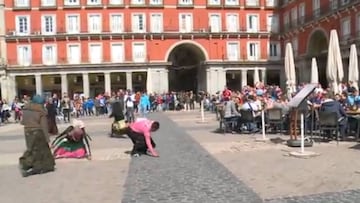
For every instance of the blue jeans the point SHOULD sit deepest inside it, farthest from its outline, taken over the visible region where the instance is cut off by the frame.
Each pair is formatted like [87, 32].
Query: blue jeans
[143, 111]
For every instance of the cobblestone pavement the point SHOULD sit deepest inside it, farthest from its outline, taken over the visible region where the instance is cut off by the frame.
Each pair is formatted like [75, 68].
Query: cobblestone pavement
[185, 172]
[352, 196]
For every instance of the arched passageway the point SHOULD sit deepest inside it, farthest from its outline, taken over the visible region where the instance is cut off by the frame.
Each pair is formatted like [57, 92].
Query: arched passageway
[317, 47]
[186, 72]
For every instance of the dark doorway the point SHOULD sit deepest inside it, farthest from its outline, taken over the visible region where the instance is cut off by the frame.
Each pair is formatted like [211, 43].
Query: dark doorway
[273, 77]
[233, 81]
[317, 47]
[186, 72]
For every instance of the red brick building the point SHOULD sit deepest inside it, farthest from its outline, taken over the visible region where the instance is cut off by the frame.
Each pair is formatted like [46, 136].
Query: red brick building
[307, 24]
[94, 46]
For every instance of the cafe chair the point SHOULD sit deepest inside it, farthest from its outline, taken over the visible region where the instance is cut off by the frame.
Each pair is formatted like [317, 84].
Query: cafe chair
[247, 117]
[224, 124]
[275, 118]
[328, 121]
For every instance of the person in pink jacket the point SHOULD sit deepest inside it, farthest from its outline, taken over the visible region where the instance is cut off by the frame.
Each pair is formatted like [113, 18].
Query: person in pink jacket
[140, 134]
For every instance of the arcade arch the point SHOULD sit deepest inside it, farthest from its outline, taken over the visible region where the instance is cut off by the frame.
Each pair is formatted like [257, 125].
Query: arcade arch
[187, 72]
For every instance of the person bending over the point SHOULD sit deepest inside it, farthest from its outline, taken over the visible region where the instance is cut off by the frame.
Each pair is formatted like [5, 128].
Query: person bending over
[140, 134]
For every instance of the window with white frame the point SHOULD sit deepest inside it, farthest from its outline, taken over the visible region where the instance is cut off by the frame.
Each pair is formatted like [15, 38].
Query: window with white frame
[286, 20]
[294, 16]
[48, 2]
[95, 53]
[117, 53]
[215, 22]
[253, 51]
[155, 2]
[93, 2]
[73, 53]
[23, 25]
[48, 24]
[116, 2]
[274, 50]
[358, 25]
[22, 3]
[233, 51]
[252, 2]
[252, 23]
[302, 13]
[24, 55]
[139, 52]
[138, 23]
[73, 24]
[232, 22]
[344, 2]
[214, 2]
[185, 2]
[231, 2]
[271, 3]
[137, 2]
[346, 28]
[49, 54]
[295, 45]
[316, 8]
[71, 2]
[334, 4]
[156, 21]
[117, 23]
[273, 23]
[94, 23]
[185, 22]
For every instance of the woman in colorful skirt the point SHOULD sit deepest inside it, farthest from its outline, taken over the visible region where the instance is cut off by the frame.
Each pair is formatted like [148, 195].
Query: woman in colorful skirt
[73, 142]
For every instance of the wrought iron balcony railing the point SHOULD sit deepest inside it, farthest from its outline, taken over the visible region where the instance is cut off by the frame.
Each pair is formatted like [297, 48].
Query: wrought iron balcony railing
[322, 12]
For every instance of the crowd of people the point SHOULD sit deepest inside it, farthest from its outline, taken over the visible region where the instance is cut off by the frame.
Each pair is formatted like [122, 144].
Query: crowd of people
[40, 116]
[234, 104]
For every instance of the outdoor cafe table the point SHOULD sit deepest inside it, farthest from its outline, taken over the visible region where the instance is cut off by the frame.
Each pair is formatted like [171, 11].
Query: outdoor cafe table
[356, 116]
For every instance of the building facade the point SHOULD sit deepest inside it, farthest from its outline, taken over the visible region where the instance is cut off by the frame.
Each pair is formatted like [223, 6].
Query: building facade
[96, 46]
[307, 25]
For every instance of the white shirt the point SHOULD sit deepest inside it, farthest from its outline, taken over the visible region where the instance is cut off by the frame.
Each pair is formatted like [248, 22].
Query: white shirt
[250, 105]
[130, 102]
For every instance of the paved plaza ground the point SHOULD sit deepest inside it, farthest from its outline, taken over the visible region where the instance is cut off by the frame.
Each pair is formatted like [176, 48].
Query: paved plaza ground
[195, 165]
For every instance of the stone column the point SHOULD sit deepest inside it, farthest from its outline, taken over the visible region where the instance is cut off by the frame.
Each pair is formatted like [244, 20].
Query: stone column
[164, 81]
[216, 79]
[243, 78]
[149, 81]
[222, 77]
[64, 84]
[263, 76]
[38, 84]
[157, 80]
[129, 80]
[86, 85]
[107, 79]
[8, 87]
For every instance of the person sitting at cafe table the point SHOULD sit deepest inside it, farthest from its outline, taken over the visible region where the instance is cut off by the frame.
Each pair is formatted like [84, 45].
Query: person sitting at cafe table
[251, 105]
[331, 105]
[230, 112]
[354, 99]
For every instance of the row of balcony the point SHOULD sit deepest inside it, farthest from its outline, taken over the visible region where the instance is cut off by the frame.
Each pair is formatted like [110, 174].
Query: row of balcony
[165, 31]
[46, 4]
[317, 14]
[102, 62]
